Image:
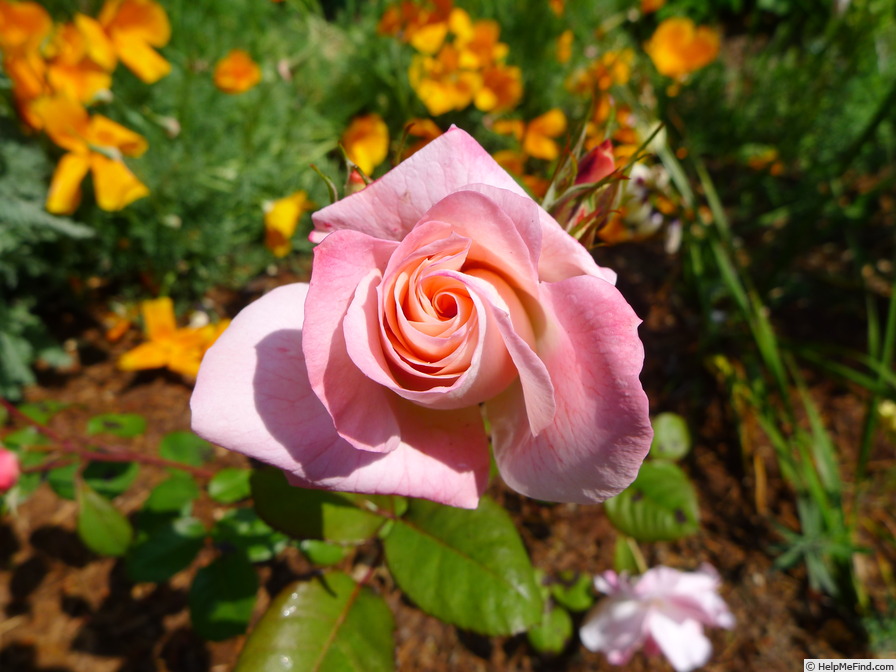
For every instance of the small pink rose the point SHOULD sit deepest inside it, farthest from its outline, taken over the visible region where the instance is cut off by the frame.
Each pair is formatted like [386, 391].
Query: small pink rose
[9, 469]
[438, 293]
[663, 610]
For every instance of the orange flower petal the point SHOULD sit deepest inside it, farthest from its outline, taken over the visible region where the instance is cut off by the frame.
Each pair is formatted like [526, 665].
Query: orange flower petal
[158, 317]
[141, 59]
[64, 120]
[100, 48]
[103, 132]
[114, 184]
[65, 187]
[366, 141]
[138, 20]
[280, 221]
[236, 72]
[145, 356]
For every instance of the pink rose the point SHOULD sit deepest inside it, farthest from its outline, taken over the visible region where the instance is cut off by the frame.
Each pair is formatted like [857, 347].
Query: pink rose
[663, 610]
[439, 292]
[9, 469]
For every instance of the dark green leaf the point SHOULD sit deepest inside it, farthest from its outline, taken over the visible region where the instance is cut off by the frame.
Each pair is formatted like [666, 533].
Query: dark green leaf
[671, 438]
[552, 634]
[110, 479]
[222, 597]
[230, 485]
[62, 480]
[315, 514]
[242, 529]
[330, 624]
[322, 552]
[468, 568]
[102, 527]
[660, 505]
[123, 425]
[186, 448]
[166, 550]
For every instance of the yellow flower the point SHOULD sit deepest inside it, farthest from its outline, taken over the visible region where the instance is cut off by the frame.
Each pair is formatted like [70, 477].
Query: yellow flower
[366, 142]
[423, 25]
[537, 136]
[441, 83]
[502, 88]
[678, 47]
[425, 129]
[236, 72]
[280, 220]
[94, 144]
[564, 46]
[80, 60]
[612, 68]
[179, 350]
[134, 28]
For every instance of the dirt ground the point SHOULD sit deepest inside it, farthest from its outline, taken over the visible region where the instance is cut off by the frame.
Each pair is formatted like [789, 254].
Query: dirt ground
[64, 609]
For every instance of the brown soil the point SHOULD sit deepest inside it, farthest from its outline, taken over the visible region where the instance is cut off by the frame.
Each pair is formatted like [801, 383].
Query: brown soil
[65, 609]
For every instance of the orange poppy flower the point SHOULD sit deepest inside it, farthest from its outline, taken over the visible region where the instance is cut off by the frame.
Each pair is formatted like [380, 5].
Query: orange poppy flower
[678, 47]
[134, 28]
[366, 142]
[80, 60]
[281, 217]
[236, 72]
[179, 350]
[94, 144]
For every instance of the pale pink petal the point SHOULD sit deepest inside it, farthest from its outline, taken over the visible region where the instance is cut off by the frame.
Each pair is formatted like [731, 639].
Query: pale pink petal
[616, 626]
[682, 643]
[389, 207]
[601, 430]
[688, 595]
[253, 396]
[361, 408]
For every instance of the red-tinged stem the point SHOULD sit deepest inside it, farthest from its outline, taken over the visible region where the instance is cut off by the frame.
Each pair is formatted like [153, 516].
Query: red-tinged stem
[105, 454]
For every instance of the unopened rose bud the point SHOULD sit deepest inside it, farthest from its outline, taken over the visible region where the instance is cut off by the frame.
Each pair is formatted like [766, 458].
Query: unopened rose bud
[9, 469]
[596, 164]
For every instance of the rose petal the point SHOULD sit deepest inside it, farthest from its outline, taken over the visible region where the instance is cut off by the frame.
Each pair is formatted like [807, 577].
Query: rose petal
[601, 431]
[253, 396]
[389, 207]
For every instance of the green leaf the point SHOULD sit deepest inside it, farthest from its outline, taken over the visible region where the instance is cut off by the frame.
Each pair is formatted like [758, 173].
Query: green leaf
[162, 553]
[329, 624]
[123, 425]
[186, 448]
[24, 438]
[671, 438]
[102, 527]
[660, 505]
[624, 559]
[222, 597]
[172, 495]
[42, 411]
[573, 591]
[315, 514]
[468, 568]
[242, 529]
[110, 479]
[62, 480]
[322, 552]
[230, 485]
[553, 633]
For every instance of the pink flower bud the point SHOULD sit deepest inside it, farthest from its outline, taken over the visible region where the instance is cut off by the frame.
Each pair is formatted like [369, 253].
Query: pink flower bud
[9, 469]
[596, 164]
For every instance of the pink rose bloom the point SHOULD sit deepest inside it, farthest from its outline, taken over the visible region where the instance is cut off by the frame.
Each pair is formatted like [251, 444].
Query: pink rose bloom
[438, 293]
[9, 469]
[663, 610]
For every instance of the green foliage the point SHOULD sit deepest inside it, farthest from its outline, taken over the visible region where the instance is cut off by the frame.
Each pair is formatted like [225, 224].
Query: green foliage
[168, 548]
[243, 530]
[671, 438]
[315, 514]
[329, 624]
[101, 526]
[553, 633]
[222, 597]
[468, 568]
[186, 448]
[122, 425]
[230, 485]
[660, 505]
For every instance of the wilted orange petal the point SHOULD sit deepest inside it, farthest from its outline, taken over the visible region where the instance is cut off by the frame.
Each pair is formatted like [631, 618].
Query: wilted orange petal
[158, 318]
[114, 184]
[366, 141]
[65, 187]
[236, 72]
[103, 132]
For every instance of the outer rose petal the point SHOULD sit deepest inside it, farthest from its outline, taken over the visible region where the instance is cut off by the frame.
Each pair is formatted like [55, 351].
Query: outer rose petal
[389, 207]
[253, 396]
[601, 431]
